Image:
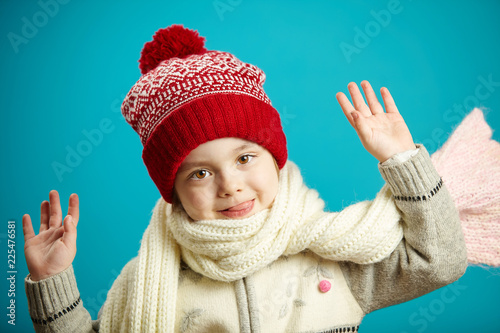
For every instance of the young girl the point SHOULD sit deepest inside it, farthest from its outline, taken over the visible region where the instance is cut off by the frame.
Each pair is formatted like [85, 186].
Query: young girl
[237, 242]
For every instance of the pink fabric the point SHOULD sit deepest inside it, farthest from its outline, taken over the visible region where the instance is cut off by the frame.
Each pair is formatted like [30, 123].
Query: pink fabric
[469, 163]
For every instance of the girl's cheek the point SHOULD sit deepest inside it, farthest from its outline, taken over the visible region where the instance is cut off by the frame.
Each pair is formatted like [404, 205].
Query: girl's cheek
[267, 176]
[200, 198]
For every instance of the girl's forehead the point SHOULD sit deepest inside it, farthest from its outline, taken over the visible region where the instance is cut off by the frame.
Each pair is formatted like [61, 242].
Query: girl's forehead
[218, 149]
[223, 145]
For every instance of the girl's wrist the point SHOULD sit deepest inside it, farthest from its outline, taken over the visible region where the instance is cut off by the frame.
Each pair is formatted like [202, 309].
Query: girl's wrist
[390, 154]
[36, 278]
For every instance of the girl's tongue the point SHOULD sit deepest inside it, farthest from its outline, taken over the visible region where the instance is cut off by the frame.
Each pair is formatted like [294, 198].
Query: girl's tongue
[239, 210]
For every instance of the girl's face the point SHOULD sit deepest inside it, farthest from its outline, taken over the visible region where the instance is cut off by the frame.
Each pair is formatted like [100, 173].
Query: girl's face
[228, 178]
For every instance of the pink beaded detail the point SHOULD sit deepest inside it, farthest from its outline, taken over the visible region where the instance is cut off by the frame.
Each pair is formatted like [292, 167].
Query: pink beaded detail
[324, 286]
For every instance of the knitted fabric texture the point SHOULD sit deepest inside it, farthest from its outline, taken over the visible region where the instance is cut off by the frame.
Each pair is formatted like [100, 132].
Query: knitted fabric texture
[469, 163]
[366, 232]
[176, 82]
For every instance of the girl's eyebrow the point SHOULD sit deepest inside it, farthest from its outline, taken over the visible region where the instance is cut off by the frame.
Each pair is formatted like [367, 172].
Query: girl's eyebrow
[243, 147]
[190, 165]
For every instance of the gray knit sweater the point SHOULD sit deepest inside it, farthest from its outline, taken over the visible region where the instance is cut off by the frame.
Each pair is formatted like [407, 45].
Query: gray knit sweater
[285, 297]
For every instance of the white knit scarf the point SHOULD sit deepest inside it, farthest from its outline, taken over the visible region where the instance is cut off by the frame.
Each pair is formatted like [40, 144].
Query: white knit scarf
[143, 297]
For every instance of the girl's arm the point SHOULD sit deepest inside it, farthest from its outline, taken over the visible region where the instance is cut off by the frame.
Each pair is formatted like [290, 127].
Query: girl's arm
[432, 252]
[55, 304]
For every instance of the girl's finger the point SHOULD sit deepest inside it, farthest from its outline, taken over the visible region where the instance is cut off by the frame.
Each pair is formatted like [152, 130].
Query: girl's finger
[44, 216]
[55, 210]
[27, 228]
[357, 99]
[362, 128]
[346, 106]
[390, 106]
[371, 98]
[73, 209]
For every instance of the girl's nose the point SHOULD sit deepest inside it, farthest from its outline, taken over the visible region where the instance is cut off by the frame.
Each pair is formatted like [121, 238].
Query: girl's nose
[229, 183]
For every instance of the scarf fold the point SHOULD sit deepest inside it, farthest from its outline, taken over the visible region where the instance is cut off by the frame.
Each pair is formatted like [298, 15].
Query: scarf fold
[228, 250]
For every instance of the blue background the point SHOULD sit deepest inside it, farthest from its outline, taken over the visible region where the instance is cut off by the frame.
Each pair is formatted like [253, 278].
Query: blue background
[70, 72]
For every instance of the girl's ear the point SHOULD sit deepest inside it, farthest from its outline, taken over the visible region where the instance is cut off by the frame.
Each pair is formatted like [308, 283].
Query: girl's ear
[277, 167]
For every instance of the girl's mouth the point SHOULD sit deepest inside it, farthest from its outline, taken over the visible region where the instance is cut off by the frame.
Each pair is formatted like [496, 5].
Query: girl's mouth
[239, 210]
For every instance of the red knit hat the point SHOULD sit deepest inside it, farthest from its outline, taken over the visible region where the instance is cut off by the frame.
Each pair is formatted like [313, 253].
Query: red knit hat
[188, 96]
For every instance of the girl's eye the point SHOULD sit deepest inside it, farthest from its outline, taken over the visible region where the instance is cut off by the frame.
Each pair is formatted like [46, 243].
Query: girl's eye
[244, 159]
[200, 174]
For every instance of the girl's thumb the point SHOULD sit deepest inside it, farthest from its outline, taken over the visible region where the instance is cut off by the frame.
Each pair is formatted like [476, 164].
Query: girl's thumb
[69, 229]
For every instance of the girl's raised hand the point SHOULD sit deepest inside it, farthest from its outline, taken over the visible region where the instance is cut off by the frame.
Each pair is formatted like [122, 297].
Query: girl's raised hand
[54, 248]
[383, 134]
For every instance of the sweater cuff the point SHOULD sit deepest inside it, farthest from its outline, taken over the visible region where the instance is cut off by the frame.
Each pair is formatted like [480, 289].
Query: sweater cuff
[53, 297]
[400, 157]
[414, 180]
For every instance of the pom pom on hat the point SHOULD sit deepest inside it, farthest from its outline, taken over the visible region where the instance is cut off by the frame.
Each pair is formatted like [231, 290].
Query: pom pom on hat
[174, 41]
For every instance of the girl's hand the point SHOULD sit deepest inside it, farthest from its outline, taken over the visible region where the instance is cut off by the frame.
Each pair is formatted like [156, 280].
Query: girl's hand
[383, 134]
[54, 248]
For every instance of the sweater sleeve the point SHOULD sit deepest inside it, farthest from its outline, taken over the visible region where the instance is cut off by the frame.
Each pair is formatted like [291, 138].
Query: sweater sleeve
[432, 252]
[55, 304]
